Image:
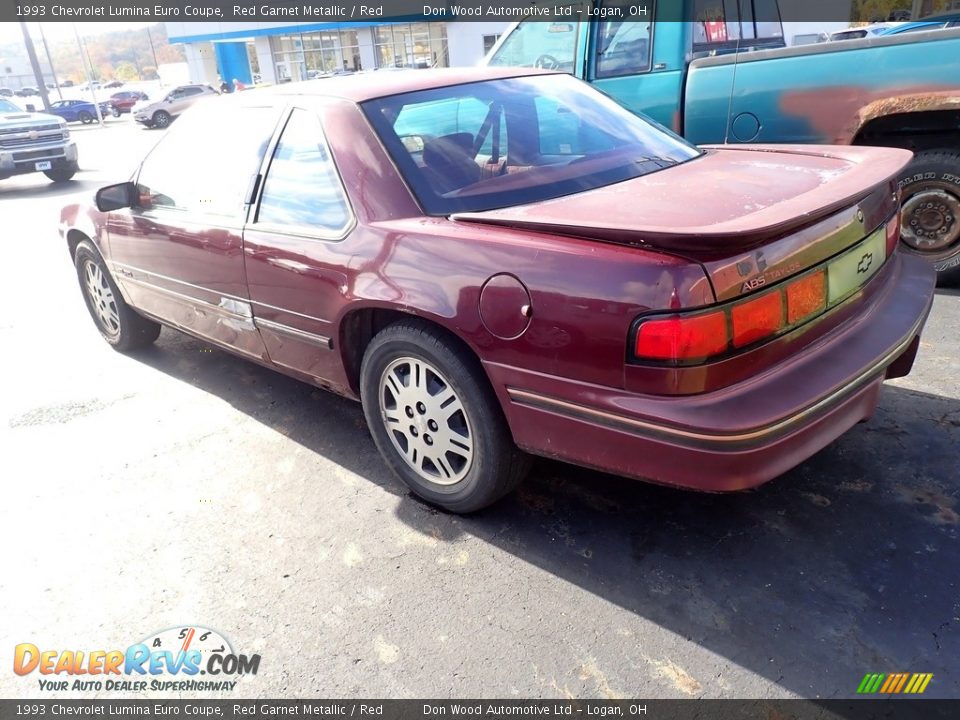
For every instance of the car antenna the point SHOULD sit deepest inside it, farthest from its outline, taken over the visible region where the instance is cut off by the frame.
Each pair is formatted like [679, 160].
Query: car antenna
[733, 84]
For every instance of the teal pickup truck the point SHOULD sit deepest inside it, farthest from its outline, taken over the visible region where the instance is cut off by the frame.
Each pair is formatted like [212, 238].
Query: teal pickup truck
[735, 82]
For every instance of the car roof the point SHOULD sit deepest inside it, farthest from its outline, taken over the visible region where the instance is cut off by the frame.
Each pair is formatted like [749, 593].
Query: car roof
[369, 85]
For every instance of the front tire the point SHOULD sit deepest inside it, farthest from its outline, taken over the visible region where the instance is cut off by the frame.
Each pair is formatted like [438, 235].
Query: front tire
[435, 419]
[161, 119]
[62, 173]
[117, 322]
[930, 227]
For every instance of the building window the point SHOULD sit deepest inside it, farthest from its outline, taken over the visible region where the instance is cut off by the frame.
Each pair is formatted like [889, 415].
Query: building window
[310, 55]
[411, 45]
[488, 42]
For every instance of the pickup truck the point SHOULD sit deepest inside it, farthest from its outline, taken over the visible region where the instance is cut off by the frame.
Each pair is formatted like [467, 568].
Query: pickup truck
[734, 82]
[35, 142]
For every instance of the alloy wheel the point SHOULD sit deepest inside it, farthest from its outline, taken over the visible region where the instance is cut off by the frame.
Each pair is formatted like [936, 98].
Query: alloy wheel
[101, 298]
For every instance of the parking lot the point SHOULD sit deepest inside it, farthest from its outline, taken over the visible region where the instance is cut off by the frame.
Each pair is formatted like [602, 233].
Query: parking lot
[182, 485]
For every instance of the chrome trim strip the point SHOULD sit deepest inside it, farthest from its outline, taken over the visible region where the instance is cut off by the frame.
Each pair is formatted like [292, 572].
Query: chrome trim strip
[121, 267]
[319, 340]
[640, 427]
[222, 310]
[291, 312]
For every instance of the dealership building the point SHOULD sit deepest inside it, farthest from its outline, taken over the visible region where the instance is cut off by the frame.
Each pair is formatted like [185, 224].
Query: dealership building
[277, 52]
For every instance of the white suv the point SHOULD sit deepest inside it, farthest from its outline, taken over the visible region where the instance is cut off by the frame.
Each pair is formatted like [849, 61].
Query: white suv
[159, 113]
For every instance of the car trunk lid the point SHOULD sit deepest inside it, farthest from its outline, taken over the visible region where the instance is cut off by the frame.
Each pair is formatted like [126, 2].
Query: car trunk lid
[750, 216]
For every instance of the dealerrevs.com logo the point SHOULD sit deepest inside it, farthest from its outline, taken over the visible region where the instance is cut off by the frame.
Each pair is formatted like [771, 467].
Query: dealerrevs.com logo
[178, 659]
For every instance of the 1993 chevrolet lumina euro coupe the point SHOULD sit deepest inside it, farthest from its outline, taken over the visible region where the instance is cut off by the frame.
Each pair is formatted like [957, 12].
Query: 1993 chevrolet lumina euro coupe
[499, 262]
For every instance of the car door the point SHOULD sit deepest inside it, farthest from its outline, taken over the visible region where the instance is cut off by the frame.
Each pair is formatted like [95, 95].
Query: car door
[179, 254]
[185, 98]
[296, 248]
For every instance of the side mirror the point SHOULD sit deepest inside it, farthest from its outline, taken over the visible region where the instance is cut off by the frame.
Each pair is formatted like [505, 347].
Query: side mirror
[31, 107]
[116, 197]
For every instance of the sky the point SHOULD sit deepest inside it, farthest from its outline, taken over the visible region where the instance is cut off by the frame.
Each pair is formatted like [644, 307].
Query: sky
[10, 31]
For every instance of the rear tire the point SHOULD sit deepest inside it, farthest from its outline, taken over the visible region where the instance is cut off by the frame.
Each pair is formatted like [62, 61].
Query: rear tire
[435, 419]
[117, 322]
[930, 228]
[85, 117]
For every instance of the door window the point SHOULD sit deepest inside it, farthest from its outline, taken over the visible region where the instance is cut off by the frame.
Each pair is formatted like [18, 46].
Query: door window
[623, 46]
[196, 168]
[303, 192]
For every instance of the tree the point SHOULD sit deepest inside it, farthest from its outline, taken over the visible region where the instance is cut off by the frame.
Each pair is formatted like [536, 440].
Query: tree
[126, 72]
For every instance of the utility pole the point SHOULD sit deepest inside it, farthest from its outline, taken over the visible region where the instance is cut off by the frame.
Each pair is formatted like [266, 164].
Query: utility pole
[46, 49]
[88, 71]
[35, 64]
[156, 63]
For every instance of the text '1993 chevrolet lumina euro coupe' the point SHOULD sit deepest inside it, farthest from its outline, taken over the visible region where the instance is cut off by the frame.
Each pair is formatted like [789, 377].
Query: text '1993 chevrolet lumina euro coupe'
[499, 262]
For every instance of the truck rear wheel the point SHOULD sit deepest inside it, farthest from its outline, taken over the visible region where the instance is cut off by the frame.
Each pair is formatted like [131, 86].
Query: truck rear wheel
[931, 210]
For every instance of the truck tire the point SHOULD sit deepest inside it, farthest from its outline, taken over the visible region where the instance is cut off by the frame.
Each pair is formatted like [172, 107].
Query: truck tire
[930, 226]
[62, 173]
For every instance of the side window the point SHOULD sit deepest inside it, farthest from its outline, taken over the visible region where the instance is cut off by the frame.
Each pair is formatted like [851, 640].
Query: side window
[191, 170]
[303, 190]
[191, 91]
[623, 46]
[535, 43]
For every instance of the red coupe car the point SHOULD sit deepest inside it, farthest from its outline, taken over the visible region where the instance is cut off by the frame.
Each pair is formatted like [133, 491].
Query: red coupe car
[499, 262]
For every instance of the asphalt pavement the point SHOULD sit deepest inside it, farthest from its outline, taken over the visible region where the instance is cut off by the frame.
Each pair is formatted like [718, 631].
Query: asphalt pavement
[183, 486]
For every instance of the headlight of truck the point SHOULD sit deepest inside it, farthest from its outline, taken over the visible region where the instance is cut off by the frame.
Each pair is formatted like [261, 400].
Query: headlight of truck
[65, 130]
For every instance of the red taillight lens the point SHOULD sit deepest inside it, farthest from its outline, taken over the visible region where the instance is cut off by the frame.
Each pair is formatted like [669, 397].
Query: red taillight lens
[893, 233]
[678, 338]
[806, 296]
[757, 319]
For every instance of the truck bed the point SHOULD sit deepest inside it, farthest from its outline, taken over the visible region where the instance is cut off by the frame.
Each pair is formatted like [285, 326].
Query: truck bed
[819, 93]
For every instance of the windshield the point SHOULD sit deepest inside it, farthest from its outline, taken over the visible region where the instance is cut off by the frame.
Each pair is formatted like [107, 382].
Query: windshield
[7, 106]
[500, 143]
[535, 43]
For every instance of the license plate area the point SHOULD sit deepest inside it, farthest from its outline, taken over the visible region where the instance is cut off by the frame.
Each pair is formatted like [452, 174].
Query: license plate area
[43, 165]
[851, 271]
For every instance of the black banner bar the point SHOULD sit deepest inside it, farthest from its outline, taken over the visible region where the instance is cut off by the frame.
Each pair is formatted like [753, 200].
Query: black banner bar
[885, 709]
[378, 11]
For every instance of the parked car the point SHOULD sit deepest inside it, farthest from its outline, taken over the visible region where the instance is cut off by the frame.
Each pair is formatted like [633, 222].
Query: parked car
[160, 113]
[33, 142]
[113, 84]
[934, 22]
[861, 31]
[893, 91]
[497, 260]
[6, 92]
[82, 110]
[124, 100]
[67, 83]
[27, 91]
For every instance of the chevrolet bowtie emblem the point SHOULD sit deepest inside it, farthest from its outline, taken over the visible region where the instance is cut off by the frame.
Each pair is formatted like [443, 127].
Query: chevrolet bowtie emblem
[865, 262]
[33, 134]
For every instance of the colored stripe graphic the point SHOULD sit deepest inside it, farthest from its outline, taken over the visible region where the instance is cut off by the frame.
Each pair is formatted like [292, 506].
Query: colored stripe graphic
[894, 683]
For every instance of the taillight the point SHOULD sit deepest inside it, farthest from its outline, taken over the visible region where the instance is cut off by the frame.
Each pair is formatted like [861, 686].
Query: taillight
[893, 233]
[680, 338]
[806, 296]
[757, 319]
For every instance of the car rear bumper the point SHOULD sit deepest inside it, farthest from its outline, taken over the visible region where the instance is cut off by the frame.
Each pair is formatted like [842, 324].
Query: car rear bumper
[745, 434]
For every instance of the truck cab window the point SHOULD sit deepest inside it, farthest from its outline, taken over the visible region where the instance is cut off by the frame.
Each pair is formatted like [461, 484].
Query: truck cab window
[721, 26]
[536, 43]
[623, 46]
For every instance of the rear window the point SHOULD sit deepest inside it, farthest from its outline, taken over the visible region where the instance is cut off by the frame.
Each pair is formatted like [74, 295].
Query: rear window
[499, 143]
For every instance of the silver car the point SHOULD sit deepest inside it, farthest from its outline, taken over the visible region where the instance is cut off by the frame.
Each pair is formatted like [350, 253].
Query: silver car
[160, 113]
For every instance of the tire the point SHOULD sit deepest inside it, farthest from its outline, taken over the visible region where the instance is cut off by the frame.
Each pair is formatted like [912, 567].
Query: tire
[85, 117]
[161, 119]
[930, 228]
[62, 173]
[115, 111]
[117, 322]
[473, 461]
